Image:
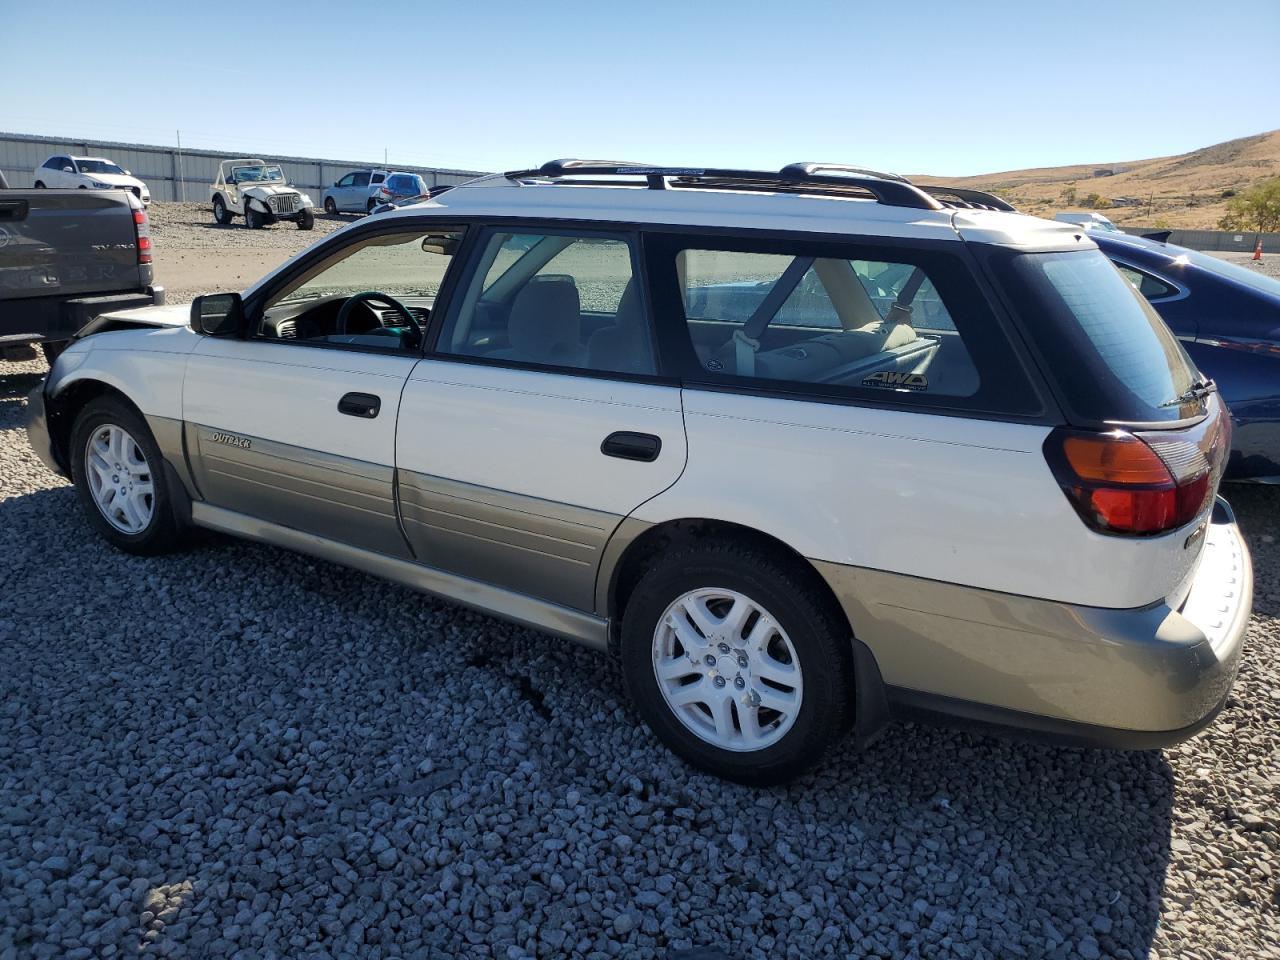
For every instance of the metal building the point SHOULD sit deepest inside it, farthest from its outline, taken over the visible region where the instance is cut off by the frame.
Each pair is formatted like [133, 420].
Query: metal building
[174, 175]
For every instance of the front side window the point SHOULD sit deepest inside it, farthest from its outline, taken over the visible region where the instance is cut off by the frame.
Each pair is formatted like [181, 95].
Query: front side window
[876, 325]
[348, 180]
[550, 299]
[377, 293]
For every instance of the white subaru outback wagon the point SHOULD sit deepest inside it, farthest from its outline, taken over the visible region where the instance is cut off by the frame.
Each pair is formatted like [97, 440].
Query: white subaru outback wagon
[807, 449]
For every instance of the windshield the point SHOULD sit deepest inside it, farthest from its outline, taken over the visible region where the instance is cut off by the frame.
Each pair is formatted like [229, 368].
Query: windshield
[98, 166]
[1246, 276]
[264, 173]
[1111, 355]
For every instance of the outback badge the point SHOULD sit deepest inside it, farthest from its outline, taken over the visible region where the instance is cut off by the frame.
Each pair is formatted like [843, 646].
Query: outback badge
[230, 440]
[894, 380]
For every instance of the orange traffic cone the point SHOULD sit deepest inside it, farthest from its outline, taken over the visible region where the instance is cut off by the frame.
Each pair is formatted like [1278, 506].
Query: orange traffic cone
[1257, 251]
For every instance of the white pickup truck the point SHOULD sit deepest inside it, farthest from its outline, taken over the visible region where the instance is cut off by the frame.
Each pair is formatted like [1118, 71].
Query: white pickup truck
[257, 191]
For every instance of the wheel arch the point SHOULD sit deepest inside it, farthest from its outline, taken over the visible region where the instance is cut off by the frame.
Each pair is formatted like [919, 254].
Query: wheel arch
[64, 406]
[640, 544]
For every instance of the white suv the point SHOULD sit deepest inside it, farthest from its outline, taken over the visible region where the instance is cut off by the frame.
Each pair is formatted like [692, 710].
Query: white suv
[808, 449]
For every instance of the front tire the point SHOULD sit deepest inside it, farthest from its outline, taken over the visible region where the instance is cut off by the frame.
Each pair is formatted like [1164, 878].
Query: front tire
[120, 478]
[220, 211]
[737, 662]
[330, 207]
[307, 220]
[252, 218]
[39, 185]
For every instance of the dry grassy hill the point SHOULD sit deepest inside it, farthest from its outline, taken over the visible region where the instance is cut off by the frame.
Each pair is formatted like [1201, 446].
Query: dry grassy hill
[1184, 191]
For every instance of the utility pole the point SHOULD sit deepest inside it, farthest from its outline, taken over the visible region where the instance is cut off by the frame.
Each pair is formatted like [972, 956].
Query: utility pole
[182, 175]
[384, 158]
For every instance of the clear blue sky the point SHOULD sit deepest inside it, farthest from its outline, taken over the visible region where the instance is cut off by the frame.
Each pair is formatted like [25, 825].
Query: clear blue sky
[940, 87]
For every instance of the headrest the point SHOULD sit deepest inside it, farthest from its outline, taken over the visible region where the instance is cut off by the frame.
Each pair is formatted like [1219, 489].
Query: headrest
[545, 317]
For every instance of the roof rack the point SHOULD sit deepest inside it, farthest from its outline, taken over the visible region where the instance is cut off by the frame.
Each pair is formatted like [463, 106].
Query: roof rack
[966, 198]
[822, 178]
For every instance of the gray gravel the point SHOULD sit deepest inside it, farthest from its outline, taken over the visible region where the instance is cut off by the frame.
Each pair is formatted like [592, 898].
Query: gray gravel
[239, 752]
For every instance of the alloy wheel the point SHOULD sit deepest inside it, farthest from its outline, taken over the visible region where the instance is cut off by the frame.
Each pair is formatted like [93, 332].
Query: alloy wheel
[727, 669]
[119, 478]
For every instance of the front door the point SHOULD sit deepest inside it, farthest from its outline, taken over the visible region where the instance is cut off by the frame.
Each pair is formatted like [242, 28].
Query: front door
[295, 424]
[539, 422]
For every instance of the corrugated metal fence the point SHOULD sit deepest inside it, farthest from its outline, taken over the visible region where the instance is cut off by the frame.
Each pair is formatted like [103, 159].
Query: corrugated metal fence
[166, 172]
[1215, 241]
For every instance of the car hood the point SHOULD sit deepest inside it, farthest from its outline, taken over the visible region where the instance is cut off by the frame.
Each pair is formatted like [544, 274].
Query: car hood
[266, 189]
[115, 179]
[167, 315]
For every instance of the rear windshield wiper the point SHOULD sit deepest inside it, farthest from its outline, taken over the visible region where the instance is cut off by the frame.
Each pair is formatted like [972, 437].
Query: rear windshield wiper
[1198, 390]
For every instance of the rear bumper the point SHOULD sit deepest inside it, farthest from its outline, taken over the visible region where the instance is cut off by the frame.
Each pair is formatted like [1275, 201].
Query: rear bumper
[1133, 679]
[55, 319]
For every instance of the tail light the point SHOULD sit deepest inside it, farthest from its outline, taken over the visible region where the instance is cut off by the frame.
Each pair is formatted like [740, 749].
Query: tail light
[142, 227]
[1141, 484]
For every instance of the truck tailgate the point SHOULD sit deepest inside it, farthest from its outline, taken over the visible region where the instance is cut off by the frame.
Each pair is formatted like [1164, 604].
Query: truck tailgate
[67, 242]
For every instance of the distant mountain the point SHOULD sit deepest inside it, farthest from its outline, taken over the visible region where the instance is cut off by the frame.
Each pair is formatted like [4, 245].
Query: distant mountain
[1188, 191]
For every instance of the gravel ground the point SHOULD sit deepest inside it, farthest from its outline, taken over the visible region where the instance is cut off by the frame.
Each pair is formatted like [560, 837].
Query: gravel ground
[194, 254]
[242, 752]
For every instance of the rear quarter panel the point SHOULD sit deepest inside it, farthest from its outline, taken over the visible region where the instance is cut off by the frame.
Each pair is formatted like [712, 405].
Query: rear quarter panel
[957, 500]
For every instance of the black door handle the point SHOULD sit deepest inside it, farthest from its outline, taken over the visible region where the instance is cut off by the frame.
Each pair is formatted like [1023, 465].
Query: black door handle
[632, 446]
[364, 405]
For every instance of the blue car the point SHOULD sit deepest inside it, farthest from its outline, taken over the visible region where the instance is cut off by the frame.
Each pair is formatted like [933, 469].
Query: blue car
[1228, 319]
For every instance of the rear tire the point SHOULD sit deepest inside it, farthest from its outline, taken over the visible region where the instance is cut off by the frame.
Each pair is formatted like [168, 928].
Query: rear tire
[113, 488]
[369, 205]
[789, 649]
[220, 211]
[307, 220]
[330, 207]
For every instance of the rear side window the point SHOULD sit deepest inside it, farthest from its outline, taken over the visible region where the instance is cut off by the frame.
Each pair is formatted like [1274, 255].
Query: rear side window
[1111, 355]
[1153, 288]
[876, 326]
[562, 300]
[361, 180]
[378, 177]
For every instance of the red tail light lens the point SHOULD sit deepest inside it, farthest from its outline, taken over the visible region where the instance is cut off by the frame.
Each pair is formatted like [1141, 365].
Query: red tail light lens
[142, 227]
[1141, 484]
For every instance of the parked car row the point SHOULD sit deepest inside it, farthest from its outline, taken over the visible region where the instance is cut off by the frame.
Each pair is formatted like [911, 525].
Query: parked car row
[777, 439]
[362, 190]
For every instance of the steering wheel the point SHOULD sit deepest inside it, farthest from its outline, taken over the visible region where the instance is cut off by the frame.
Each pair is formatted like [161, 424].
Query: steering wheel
[374, 296]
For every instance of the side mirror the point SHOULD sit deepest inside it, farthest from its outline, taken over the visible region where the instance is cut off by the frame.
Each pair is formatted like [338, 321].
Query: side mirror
[128, 173]
[217, 314]
[68, 169]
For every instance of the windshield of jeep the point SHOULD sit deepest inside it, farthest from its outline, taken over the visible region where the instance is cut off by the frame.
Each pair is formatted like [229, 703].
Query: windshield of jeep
[257, 173]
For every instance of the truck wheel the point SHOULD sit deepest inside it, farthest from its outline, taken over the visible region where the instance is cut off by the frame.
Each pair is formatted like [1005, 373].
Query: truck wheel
[307, 220]
[121, 481]
[736, 663]
[220, 211]
[329, 206]
[252, 218]
[39, 185]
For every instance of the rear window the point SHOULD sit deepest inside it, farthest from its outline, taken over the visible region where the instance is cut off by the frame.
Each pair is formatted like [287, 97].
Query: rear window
[1111, 355]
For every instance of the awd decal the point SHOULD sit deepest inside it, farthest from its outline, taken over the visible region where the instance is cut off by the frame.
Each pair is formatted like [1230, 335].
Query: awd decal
[230, 440]
[897, 381]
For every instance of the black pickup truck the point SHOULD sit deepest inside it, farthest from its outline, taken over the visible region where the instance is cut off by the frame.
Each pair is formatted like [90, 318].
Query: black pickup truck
[65, 257]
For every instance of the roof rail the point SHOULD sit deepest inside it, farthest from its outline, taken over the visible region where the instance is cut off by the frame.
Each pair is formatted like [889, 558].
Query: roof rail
[888, 189]
[809, 169]
[967, 198]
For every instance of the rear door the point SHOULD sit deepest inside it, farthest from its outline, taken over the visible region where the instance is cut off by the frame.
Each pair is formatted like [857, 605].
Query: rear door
[539, 422]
